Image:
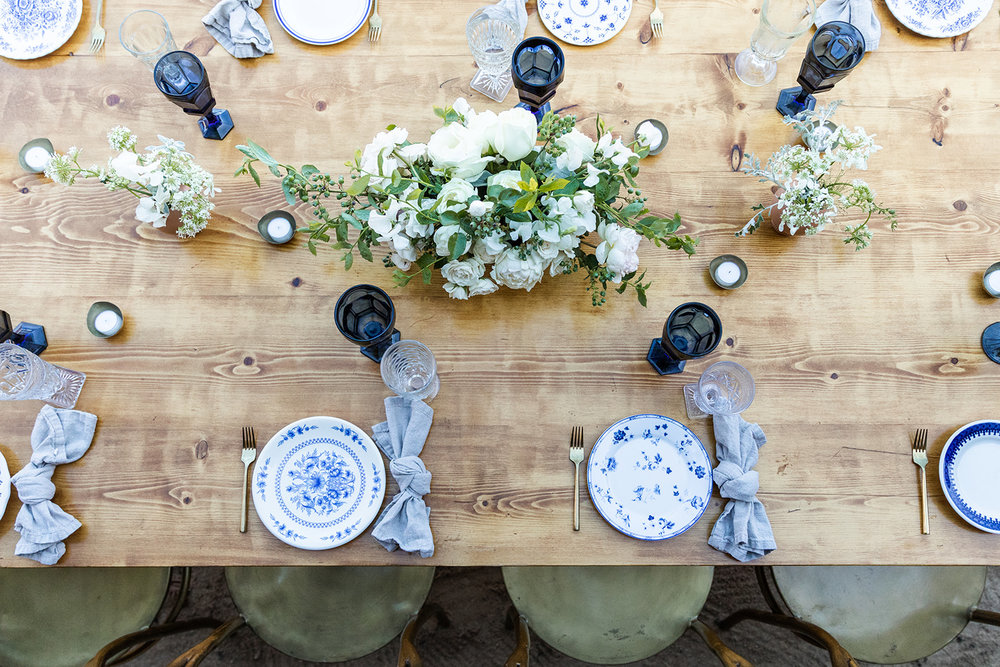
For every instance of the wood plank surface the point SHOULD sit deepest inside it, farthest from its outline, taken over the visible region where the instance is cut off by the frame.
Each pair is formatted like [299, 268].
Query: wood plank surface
[851, 352]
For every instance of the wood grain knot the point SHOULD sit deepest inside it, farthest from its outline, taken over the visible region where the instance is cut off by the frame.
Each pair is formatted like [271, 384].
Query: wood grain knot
[321, 106]
[736, 157]
[741, 106]
[620, 85]
[954, 360]
[248, 361]
[200, 46]
[24, 191]
[645, 33]
[756, 10]
[834, 376]
[960, 205]
[730, 342]
[201, 449]
[186, 500]
[112, 100]
[296, 282]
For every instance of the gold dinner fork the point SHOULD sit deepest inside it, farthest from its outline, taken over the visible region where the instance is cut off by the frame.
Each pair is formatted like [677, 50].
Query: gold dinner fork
[249, 456]
[920, 458]
[576, 456]
[656, 20]
[97, 34]
[374, 24]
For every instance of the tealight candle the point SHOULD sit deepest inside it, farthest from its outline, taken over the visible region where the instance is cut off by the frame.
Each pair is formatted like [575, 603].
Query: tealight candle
[104, 319]
[279, 228]
[727, 273]
[37, 158]
[991, 280]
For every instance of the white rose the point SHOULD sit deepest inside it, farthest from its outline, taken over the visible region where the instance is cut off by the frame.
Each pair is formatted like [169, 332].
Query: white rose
[562, 262]
[454, 147]
[382, 145]
[441, 237]
[516, 273]
[517, 131]
[483, 127]
[454, 194]
[583, 202]
[618, 250]
[505, 179]
[479, 208]
[579, 148]
[456, 291]
[400, 261]
[413, 152]
[483, 286]
[463, 108]
[464, 272]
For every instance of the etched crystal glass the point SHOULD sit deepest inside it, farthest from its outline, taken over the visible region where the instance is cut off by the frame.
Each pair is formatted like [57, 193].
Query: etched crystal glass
[24, 376]
[146, 35]
[492, 40]
[725, 388]
[409, 369]
[781, 23]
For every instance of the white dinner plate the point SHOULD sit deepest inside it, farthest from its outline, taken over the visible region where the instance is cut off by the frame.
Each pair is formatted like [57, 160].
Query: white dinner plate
[650, 477]
[4, 485]
[321, 22]
[969, 470]
[35, 28]
[318, 483]
[584, 22]
[940, 18]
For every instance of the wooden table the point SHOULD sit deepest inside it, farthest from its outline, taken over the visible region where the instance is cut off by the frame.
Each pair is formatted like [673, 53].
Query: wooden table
[851, 351]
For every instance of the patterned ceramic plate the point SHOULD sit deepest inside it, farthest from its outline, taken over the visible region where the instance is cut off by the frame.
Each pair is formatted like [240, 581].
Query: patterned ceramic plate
[321, 22]
[649, 477]
[584, 22]
[4, 485]
[939, 18]
[34, 28]
[969, 470]
[318, 483]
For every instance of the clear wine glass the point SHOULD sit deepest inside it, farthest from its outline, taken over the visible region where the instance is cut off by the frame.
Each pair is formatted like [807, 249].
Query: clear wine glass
[492, 38]
[146, 35]
[409, 369]
[24, 376]
[725, 388]
[781, 23]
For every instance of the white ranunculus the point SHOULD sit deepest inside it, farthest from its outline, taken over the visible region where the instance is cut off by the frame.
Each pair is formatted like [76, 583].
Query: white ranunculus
[147, 211]
[483, 127]
[454, 195]
[516, 273]
[454, 147]
[479, 208]
[505, 179]
[593, 175]
[483, 286]
[579, 148]
[464, 272]
[618, 249]
[456, 291]
[441, 237]
[517, 131]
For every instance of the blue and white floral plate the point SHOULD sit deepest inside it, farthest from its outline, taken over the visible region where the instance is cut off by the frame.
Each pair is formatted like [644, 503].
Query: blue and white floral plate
[34, 28]
[649, 477]
[318, 483]
[969, 470]
[940, 18]
[584, 22]
[321, 22]
[4, 485]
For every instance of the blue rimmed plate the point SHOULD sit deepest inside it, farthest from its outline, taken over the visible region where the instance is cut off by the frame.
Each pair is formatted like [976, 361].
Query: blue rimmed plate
[940, 18]
[650, 477]
[969, 470]
[321, 22]
[4, 485]
[584, 22]
[318, 483]
[35, 28]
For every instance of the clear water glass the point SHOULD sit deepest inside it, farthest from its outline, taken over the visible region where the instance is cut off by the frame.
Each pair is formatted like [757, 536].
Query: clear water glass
[492, 40]
[409, 369]
[781, 23]
[146, 35]
[725, 388]
[24, 376]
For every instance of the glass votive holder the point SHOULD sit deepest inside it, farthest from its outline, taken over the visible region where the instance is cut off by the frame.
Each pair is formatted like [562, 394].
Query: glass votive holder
[652, 134]
[146, 35]
[277, 227]
[991, 280]
[104, 319]
[409, 369]
[728, 271]
[365, 315]
[34, 156]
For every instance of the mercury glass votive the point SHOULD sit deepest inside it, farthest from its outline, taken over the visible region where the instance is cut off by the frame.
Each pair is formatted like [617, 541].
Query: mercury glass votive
[34, 156]
[104, 319]
[364, 314]
[728, 271]
[991, 280]
[277, 227]
[692, 330]
[652, 134]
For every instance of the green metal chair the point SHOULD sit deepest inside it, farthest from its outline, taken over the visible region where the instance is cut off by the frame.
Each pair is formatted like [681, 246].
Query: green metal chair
[885, 615]
[60, 617]
[610, 615]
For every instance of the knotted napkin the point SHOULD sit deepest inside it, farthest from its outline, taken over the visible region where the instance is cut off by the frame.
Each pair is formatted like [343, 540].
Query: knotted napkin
[858, 13]
[514, 9]
[239, 29]
[59, 436]
[743, 530]
[405, 522]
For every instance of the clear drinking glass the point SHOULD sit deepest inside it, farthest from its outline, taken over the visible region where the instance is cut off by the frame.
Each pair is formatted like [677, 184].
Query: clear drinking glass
[146, 35]
[781, 23]
[409, 369]
[23, 376]
[492, 40]
[725, 388]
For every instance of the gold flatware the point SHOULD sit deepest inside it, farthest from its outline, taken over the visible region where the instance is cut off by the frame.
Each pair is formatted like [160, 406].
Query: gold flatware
[249, 456]
[374, 24]
[920, 458]
[576, 456]
[97, 34]
[656, 20]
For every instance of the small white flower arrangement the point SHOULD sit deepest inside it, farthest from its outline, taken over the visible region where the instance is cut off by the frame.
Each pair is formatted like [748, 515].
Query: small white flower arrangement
[164, 178]
[812, 178]
[490, 200]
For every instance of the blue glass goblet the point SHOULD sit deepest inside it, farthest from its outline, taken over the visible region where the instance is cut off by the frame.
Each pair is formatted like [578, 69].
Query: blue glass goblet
[29, 336]
[365, 316]
[692, 330]
[836, 49]
[537, 68]
[182, 78]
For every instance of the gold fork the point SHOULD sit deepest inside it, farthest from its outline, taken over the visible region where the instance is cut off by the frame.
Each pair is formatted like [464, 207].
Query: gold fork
[656, 20]
[374, 24]
[576, 456]
[97, 34]
[920, 458]
[249, 456]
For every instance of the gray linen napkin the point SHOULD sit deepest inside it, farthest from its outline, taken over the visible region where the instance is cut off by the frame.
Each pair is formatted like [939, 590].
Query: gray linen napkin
[743, 530]
[858, 13]
[512, 8]
[405, 522]
[59, 436]
[239, 29]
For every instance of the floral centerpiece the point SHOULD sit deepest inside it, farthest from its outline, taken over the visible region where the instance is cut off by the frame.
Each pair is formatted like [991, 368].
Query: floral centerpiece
[490, 200]
[164, 178]
[811, 178]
